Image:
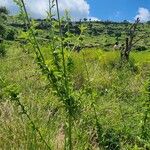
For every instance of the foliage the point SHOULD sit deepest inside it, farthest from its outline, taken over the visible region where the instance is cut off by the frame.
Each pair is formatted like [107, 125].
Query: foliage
[3, 10]
[2, 50]
[10, 35]
[2, 31]
[141, 48]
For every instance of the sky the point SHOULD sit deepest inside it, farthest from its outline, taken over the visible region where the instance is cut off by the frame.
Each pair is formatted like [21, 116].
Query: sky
[120, 9]
[115, 10]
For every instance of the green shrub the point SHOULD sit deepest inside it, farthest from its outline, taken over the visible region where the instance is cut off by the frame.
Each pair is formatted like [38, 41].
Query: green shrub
[108, 139]
[2, 30]
[10, 34]
[3, 10]
[141, 48]
[111, 140]
[2, 50]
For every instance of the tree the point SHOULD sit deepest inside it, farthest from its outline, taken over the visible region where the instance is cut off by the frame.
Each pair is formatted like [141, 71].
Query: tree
[3, 10]
[126, 22]
[85, 19]
[3, 18]
[148, 22]
[131, 40]
[125, 52]
[3, 14]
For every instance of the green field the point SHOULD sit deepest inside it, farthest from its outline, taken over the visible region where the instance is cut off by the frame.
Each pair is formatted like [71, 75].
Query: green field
[119, 99]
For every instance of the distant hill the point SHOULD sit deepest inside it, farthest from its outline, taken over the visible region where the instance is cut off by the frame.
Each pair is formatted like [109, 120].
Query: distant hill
[98, 33]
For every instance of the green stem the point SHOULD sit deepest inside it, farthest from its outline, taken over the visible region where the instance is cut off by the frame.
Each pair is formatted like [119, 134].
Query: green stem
[70, 132]
[62, 47]
[50, 9]
[146, 114]
[28, 26]
[98, 126]
[39, 53]
[66, 82]
[86, 67]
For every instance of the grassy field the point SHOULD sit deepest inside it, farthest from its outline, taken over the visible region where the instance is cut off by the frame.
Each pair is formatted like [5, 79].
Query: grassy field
[64, 87]
[111, 101]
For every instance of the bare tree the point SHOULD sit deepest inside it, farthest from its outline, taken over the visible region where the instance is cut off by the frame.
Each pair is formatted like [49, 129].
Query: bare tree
[129, 42]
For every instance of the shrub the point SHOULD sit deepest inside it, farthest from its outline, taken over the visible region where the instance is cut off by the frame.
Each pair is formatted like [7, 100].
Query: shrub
[141, 48]
[2, 30]
[111, 140]
[3, 10]
[10, 34]
[2, 50]
[108, 139]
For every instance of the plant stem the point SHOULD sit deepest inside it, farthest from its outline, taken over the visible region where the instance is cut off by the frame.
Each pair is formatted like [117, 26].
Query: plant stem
[146, 114]
[62, 47]
[50, 12]
[29, 24]
[70, 131]
[39, 55]
[66, 83]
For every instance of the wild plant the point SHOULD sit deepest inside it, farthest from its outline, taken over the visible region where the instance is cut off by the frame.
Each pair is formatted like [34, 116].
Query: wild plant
[146, 115]
[2, 50]
[58, 73]
[3, 29]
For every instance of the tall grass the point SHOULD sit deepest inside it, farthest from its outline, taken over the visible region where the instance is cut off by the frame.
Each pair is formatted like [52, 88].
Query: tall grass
[146, 114]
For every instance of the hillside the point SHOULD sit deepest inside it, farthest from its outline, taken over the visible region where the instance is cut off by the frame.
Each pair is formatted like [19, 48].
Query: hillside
[97, 34]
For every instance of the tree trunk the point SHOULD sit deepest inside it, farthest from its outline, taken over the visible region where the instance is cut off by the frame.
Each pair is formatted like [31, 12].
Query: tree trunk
[125, 52]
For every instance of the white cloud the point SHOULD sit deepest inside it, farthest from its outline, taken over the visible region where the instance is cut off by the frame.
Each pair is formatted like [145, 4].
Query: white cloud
[143, 14]
[93, 19]
[8, 3]
[3, 3]
[78, 9]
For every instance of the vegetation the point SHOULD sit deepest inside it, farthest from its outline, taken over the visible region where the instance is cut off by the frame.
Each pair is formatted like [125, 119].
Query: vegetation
[62, 86]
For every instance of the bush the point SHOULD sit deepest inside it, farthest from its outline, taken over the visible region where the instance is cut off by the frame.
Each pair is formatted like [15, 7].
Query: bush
[111, 140]
[2, 50]
[3, 10]
[10, 34]
[2, 30]
[141, 48]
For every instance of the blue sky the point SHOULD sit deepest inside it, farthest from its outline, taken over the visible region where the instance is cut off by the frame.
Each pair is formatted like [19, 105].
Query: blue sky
[115, 10]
